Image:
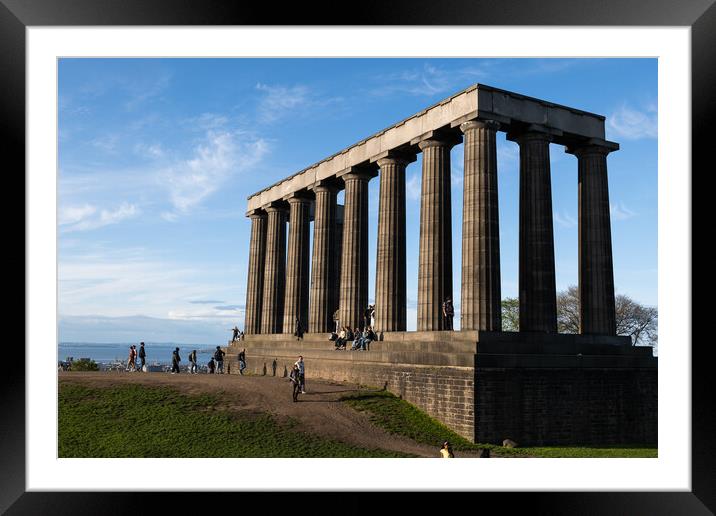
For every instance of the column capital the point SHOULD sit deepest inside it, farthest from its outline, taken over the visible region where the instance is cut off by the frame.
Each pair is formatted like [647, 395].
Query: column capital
[257, 213]
[532, 132]
[362, 172]
[325, 185]
[591, 146]
[394, 156]
[276, 206]
[479, 124]
[302, 196]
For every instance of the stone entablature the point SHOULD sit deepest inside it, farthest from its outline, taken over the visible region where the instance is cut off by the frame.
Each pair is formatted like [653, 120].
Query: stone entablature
[514, 111]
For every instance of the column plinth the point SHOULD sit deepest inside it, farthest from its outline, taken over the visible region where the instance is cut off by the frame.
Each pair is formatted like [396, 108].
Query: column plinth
[435, 256]
[480, 306]
[596, 269]
[255, 276]
[274, 270]
[323, 269]
[538, 294]
[354, 260]
[390, 293]
[297, 263]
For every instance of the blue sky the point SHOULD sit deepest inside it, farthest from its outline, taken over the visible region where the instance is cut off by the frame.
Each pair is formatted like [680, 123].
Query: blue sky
[158, 156]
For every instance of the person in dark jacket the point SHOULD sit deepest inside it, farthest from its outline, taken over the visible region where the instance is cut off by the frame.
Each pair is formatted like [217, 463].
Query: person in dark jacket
[142, 356]
[175, 361]
[295, 380]
[210, 365]
[299, 329]
[242, 361]
[219, 357]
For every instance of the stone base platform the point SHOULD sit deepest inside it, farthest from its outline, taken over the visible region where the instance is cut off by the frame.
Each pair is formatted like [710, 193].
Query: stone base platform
[536, 389]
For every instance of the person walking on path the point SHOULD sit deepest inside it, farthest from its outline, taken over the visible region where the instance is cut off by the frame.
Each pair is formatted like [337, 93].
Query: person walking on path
[295, 379]
[448, 313]
[192, 360]
[242, 361]
[219, 357]
[142, 356]
[175, 361]
[131, 364]
[301, 373]
[446, 451]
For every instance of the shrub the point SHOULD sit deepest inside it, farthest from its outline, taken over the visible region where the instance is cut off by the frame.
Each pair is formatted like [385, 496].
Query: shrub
[84, 364]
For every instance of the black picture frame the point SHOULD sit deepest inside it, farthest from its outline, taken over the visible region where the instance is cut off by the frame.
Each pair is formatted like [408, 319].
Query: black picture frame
[700, 15]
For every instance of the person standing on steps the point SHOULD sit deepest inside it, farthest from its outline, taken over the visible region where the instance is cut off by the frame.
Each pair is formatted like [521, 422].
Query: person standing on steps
[175, 361]
[235, 337]
[448, 313]
[301, 373]
[299, 329]
[273, 366]
[219, 357]
[242, 361]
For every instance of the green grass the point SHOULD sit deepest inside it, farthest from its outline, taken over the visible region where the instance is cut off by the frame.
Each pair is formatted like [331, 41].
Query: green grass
[400, 417]
[141, 421]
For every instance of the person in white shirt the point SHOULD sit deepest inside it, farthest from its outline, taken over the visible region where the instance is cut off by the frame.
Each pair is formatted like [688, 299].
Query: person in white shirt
[301, 374]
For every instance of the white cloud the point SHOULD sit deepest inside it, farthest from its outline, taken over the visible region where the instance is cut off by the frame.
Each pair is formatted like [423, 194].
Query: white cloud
[153, 151]
[278, 100]
[222, 155]
[620, 212]
[87, 216]
[107, 143]
[413, 186]
[566, 220]
[631, 124]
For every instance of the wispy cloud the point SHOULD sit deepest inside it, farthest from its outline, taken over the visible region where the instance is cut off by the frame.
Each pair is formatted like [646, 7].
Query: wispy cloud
[205, 302]
[221, 156]
[565, 220]
[619, 211]
[629, 123]
[143, 90]
[412, 187]
[107, 143]
[426, 81]
[279, 101]
[87, 216]
[152, 151]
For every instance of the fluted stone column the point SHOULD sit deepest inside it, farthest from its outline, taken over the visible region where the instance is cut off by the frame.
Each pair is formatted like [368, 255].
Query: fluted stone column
[255, 277]
[274, 270]
[596, 270]
[297, 263]
[390, 293]
[354, 266]
[336, 289]
[538, 294]
[435, 259]
[480, 295]
[323, 272]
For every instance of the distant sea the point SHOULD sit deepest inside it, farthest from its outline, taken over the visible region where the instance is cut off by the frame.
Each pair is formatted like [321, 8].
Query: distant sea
[156, 352]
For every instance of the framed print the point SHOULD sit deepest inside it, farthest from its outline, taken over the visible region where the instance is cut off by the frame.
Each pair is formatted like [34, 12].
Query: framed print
[55, 51]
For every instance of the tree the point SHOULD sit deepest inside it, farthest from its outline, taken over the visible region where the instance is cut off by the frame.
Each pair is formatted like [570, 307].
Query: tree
[511, 314]
[84, 364]
[638, 321]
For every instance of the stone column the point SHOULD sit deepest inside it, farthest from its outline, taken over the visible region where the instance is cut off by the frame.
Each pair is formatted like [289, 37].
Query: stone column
[390, 294]
[297, 279]
[596, 271]
[480, 295]
[538, 294]
[323, 273]
[354, 266]
[274, 270]
[255, 277]
[435, 258]
[336, 289]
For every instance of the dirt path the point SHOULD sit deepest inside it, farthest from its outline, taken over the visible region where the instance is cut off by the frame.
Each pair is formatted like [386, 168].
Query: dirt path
[318, 411]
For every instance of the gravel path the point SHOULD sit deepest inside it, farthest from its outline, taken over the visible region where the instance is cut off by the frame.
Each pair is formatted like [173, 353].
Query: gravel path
[318, 411]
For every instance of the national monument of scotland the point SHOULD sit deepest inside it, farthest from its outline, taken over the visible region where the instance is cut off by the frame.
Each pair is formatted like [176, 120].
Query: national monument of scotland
[535, 386]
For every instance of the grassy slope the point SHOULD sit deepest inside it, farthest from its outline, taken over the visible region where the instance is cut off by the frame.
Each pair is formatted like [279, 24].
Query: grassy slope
[136, 421]
[400, 417]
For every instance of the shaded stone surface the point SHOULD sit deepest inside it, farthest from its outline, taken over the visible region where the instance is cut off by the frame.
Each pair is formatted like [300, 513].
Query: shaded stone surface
[480, 293]
[596, 271]
[390, 294]
[274, 269]
[538, 293]
[354, 261]
[323, 269]
[435, 259]
[255, 276]
[297, 264]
